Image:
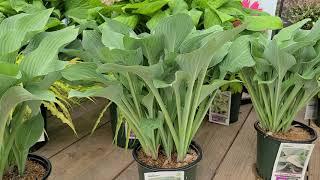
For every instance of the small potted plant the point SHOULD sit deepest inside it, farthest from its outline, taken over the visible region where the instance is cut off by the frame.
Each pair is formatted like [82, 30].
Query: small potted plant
[284, 76]
[163, 83]
[28, 67]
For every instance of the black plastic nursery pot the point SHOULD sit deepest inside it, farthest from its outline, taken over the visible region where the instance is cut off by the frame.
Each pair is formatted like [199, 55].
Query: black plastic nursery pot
[268, 146]
[44, 162]
[121, 138]
[235, 107]
[190, 171]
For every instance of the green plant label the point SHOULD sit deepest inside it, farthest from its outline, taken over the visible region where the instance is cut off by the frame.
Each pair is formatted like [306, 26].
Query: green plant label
[292, 161]
[164, 175]
[220, 109]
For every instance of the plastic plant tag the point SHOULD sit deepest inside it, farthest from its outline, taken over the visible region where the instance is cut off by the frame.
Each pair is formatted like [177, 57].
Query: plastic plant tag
[164, 175]
[42, 138]
[132, 135]
[311, 110]
[220, 109]
[292, 161]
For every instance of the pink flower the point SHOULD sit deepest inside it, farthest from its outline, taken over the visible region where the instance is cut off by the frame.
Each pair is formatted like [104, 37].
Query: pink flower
[255, 5]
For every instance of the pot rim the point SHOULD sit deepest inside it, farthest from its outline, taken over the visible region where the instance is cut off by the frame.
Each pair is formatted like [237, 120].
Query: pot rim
[46, 164]
[312, 132]
[193, 145]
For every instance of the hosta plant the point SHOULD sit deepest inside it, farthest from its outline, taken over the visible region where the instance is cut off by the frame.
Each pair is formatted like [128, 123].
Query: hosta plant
[163, 82]
[29, 65]
[285, 74]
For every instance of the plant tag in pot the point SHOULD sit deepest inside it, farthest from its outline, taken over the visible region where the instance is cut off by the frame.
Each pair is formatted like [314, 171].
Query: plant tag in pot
[164, 175]
[292, 161]
[132, 135]
[220, 109]
[42, 138]
[311, 110]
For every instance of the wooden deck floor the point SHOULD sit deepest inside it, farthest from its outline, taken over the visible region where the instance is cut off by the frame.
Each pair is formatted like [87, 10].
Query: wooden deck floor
[229, 151]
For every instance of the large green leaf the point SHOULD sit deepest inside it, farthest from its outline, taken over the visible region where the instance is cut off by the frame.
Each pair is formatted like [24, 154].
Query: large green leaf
[10, 99]
[83, 71]
[261, 23]
[42, 60]
[29, 132]
[15, 29]
[174, 30]
[288, 32]
[239, 56]
[9, 75]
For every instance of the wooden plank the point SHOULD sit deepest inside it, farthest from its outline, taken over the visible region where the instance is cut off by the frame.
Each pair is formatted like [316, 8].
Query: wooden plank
[61, 136]
[215, 141]
[83, 155]
[239, 161]
[314, 164]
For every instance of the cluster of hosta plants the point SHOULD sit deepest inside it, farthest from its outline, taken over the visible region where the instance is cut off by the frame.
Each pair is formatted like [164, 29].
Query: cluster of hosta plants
[285, 75]
[29, 66]
[163, 82]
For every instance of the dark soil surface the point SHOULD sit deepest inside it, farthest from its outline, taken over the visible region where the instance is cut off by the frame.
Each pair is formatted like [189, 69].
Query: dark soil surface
[33, 171]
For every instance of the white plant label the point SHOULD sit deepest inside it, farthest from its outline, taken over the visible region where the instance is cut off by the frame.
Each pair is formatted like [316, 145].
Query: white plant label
[292, 161]
[132, 135]
[311, 109]
[42, 138]
[220, 109]
[164, 175]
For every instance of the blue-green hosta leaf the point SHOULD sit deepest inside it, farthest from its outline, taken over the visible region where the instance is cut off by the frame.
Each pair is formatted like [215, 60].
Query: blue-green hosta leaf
[112, 92]
[145, 72]
[280, 60]
[10, 99]
[288, 32]
[262, 23]
[126, 57]
[148, 126]
[41, 61]
[238, 57]
[148, 102]
[174, 29]
[83, 71]
[112, 39]
[29, 132]
[13, 30]
[152, 46]
[194, 40]
[198, 60]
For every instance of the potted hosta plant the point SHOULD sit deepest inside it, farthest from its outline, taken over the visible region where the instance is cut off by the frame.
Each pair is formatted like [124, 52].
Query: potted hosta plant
[28, 66]
[284, 76]
[163, 83]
